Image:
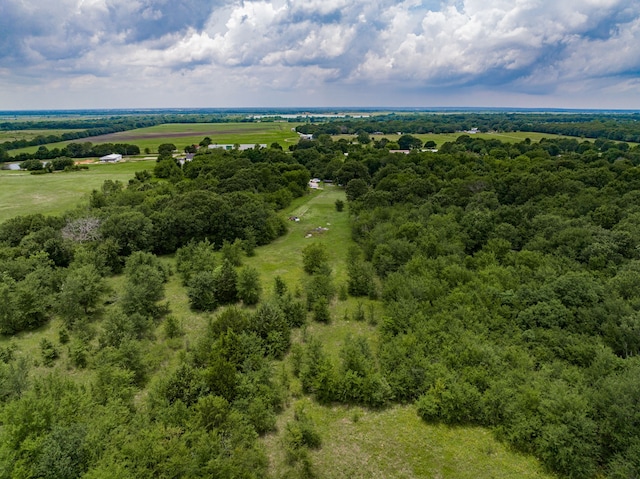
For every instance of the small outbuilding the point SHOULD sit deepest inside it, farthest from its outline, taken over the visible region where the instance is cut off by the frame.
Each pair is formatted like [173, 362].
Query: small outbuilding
[112, 158]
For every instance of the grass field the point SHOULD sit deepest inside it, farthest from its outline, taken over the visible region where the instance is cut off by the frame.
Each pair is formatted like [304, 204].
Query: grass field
[23, 193]
[394, 443]
[184, 134]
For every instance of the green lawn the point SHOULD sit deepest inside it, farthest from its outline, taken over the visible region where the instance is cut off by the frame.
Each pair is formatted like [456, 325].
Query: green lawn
[184, 134]
[23, 193]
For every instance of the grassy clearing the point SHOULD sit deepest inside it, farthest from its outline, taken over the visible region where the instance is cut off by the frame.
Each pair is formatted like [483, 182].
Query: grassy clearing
[23, 193]
[184, 134]
[283, 257]
[395, 443]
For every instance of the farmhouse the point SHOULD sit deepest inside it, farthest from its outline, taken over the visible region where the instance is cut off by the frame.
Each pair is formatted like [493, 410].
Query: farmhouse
[112, 158]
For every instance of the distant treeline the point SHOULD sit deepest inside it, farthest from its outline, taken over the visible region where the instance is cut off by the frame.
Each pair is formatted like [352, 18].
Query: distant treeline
[98, 126]
[619, 127]
[75, 150]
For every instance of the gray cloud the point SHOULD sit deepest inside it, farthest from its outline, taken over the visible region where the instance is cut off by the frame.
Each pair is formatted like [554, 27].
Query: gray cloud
[527, 47]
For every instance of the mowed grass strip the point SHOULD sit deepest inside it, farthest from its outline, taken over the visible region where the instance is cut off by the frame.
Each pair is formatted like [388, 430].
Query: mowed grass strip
[185, 134]
[318, 218]
[22, 193]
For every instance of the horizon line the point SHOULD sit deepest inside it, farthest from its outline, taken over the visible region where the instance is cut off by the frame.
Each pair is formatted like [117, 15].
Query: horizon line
[334, 109]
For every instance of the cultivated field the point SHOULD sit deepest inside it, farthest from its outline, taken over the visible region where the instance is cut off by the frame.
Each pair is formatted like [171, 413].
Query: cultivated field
[184, 134]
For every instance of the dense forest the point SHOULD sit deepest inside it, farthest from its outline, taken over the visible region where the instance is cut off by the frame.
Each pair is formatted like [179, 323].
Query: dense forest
[509, 276]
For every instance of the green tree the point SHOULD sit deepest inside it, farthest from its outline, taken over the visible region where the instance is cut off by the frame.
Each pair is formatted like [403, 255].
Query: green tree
[144, 286]
[167, 168]
[363, 137]
[80, 293]
[201, 290]
[315, 258]
[409, 142]
[32, 165]
[226, 283]
[232, 252]
[132, 231]
[166, 150]
[195, 257]
[356, 188]
[361, 280]
[249, 287]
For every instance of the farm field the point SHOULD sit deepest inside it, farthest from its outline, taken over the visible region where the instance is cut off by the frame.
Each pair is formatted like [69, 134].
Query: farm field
[184, 134]
[23, 193]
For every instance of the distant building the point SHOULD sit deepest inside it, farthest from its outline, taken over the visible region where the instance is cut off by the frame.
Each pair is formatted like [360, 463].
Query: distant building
[112, 158]
[228, 147]
[314, 183]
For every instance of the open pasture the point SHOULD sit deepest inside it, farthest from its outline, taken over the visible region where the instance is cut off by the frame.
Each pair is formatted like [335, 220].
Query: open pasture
[185, 134]
[23, 193]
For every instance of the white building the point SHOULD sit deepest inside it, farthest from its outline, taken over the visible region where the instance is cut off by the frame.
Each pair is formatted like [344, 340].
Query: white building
[112, 158]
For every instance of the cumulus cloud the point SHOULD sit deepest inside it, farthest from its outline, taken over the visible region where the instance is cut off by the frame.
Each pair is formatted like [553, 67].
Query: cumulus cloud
[526, 46]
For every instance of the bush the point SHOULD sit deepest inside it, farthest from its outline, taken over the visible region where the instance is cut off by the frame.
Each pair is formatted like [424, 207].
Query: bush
[172, 327]
[201, 291]
[315, 258]
[249, 288]
[48, 351]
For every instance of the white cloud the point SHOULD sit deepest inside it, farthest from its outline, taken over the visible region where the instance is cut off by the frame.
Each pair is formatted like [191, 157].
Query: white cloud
[520, 46]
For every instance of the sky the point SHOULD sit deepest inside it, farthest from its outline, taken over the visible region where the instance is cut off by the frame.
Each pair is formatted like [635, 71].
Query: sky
[74, 54]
